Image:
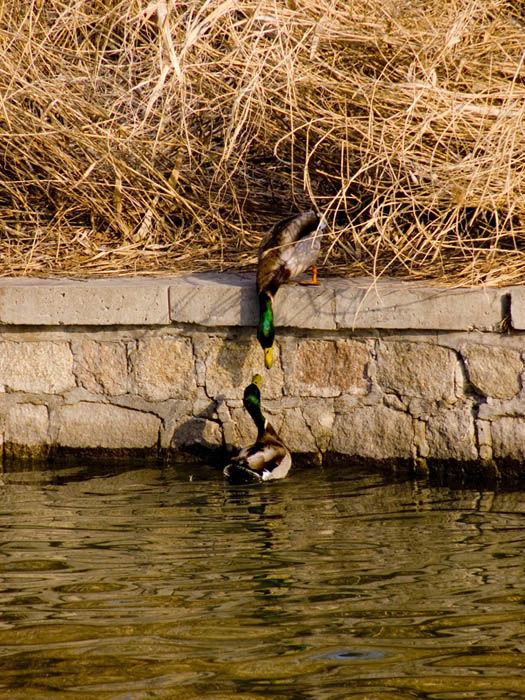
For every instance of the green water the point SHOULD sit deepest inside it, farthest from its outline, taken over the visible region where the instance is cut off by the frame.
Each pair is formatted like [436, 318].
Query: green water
[332, 584]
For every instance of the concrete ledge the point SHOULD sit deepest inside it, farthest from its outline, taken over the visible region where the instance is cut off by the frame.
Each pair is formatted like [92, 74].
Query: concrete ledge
[230, 300]
[214, 300]
[398, 305]
[53, 302]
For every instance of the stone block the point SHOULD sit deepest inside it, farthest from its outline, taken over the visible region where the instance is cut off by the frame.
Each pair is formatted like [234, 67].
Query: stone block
[203, 407]
[508, 438]
[36, 367]
[451, 435]
[232, 362]
[423, 408]
[485, 453]
[393, 401]
[406, 305]
[92, 425]
[295, 433]
[416, 370]
[493, 371]
[177, 412]
[164, 368]
[101, 368]
[373, 433]
[54, 302]
[329, 368]
[319, 416]
[484, 436]
[230, 436]
[420, 439]
[484, 433]
[346, 403]
[27, 424]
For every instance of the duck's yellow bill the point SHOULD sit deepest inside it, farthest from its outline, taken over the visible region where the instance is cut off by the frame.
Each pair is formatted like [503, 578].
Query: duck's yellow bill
[268, 357]
[257, 380]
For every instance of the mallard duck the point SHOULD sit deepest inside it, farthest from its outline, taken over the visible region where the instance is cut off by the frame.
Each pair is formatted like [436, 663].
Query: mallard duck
[268, 458]
[290, 247]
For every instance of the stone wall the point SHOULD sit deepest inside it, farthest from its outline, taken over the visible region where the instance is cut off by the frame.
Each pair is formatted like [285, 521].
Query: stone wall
[386, 372]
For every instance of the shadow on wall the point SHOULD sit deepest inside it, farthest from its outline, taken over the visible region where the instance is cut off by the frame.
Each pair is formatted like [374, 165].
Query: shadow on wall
[196, 300]
[200, 437]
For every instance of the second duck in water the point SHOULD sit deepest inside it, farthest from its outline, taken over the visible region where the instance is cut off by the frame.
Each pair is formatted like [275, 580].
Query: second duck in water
[290, 247]
[268, 458]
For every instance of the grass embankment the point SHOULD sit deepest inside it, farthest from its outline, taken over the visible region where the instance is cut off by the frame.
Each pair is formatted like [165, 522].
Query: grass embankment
[166, 136]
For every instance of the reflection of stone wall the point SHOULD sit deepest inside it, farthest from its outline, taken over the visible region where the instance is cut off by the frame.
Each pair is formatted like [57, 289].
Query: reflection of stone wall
[161, 365]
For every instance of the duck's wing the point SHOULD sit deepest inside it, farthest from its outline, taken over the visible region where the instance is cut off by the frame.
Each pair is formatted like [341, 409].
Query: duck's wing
[271, 272]
[279, 469]
[290, 230]
[262, 455]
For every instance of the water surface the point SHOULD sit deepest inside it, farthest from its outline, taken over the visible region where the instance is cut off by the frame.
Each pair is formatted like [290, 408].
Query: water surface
[332, 584]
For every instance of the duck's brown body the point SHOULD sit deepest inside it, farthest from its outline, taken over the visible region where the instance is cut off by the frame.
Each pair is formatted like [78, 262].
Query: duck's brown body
[290, 247]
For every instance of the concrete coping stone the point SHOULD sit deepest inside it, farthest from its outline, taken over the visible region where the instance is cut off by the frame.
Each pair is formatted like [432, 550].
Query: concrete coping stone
[229, 299]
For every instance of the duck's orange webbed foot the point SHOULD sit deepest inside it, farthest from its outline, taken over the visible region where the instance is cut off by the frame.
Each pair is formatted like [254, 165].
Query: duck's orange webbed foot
[314, 277]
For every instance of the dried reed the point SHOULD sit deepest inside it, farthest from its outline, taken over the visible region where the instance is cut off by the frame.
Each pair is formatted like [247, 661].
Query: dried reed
[166, 136]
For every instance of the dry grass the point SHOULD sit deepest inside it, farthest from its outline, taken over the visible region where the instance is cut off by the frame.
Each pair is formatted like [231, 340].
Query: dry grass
[167, 136]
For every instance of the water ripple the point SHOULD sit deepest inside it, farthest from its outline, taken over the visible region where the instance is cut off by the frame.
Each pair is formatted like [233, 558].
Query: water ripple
[330, 585]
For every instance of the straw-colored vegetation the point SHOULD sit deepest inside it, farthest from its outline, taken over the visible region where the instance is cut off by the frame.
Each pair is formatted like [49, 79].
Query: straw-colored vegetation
[168, 135]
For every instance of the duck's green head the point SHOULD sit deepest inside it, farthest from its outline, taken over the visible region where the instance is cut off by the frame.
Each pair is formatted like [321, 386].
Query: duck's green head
[252, 400]
[266, 329]
[252, 393]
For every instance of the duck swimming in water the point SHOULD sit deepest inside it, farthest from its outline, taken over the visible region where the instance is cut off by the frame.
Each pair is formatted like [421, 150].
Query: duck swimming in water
[290, 247]
[268, 458]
